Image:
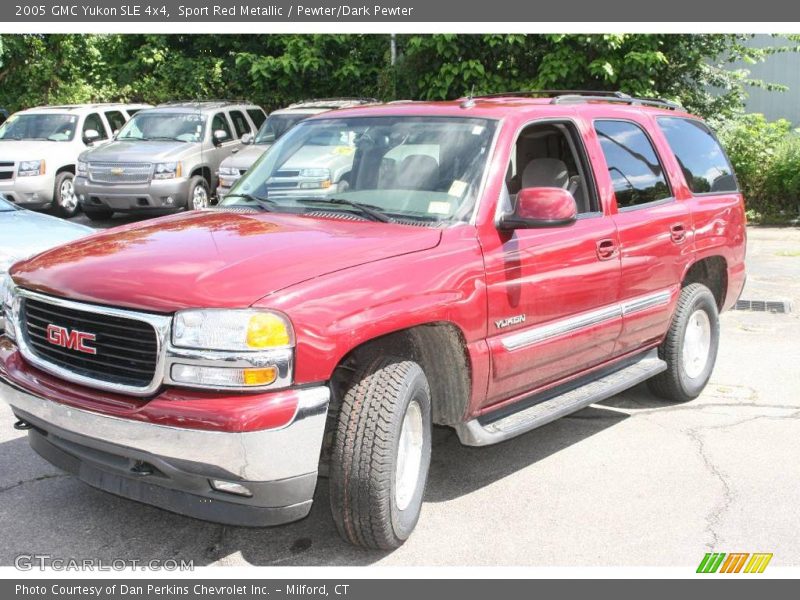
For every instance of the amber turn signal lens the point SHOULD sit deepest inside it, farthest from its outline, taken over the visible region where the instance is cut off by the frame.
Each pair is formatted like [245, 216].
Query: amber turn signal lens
[266, 330]
[263, 376]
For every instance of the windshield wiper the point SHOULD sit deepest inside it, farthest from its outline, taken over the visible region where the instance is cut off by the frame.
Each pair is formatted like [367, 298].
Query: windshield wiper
[164, 138]
[266, 204]
[375, 213]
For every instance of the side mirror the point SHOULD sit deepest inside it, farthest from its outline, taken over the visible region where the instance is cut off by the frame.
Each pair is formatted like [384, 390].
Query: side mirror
[220, 135]
[91, 135]
[541, 207]
[247, 138]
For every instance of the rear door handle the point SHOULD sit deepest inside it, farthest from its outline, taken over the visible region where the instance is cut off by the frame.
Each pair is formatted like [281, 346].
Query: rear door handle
[606, 249]
[678, 233]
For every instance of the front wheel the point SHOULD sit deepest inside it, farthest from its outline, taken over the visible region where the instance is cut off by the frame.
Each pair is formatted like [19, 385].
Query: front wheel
[690, 347]
[198, 193]
[381, 454]
[65, 201]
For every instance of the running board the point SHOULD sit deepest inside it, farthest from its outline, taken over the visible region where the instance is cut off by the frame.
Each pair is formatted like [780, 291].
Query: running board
[475, 433]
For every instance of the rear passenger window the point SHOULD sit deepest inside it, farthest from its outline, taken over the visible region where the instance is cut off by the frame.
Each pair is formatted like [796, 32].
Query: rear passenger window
[115, 119]
[633, 164]
[257, 116]
[240, 123]
[704, 164]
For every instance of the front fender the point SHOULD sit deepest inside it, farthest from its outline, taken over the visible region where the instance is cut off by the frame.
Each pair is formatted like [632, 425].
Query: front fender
[336, 313]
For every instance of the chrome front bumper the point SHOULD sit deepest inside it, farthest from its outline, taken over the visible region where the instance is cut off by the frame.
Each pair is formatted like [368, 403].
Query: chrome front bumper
[279, 466]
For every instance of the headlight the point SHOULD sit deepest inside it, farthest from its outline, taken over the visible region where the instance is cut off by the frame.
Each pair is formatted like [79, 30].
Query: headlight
[168, 170]
[7, 292]
[82, 168]
[236, 330]
[231, 349]
[229, 172]
[321, 177]
[28, 168]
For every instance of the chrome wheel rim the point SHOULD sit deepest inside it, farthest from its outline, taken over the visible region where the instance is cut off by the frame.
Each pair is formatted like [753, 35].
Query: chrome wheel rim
[68, 200]
[199, 197]
[409, 456]
[696, 343]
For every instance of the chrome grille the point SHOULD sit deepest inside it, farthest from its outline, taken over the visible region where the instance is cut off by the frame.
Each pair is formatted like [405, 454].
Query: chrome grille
[126, 349]
[119, 172]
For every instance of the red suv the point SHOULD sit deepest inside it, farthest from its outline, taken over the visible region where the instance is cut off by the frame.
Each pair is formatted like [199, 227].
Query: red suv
[488, 264]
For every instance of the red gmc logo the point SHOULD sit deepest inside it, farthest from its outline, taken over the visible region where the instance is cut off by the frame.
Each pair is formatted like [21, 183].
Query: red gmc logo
[72, 340]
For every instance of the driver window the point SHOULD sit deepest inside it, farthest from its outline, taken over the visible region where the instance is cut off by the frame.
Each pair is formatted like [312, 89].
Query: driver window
[550, 155]
[93, 121]
[220, 122]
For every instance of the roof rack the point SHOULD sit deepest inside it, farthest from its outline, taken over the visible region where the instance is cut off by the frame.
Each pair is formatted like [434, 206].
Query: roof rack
[577, 96]
[332, 102]
[212, 102]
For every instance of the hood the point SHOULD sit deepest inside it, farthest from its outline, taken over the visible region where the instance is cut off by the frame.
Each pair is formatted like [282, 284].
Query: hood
[24, 233]
[212, 258]
[244, 158]
[19, 150]
[139, 151]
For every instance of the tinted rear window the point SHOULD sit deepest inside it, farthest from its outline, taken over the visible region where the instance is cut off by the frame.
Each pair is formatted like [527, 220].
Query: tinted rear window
[702, 159]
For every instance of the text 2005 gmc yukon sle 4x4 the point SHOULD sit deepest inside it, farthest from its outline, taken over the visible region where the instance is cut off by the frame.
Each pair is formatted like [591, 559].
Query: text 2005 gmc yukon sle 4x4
[492, 264]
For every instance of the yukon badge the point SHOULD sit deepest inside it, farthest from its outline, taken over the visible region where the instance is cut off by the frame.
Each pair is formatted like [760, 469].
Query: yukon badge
[509, 321]
[71, 340]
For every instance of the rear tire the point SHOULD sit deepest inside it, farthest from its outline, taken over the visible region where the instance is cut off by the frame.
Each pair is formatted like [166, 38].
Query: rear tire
[65, 202]
[690, 347]
[381, 454]
[98, 214]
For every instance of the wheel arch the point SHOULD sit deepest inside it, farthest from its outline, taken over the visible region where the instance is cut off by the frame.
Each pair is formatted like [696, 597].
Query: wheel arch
[711, 271]
[439, 347]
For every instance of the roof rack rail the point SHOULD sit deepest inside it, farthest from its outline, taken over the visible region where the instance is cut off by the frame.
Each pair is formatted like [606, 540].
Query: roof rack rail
[576, 96]
[553, 94]
[206, 102]
[629, 100]
[332, 102]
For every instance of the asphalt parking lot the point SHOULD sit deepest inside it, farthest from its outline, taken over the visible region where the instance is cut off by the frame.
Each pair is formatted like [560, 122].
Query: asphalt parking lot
[631, 481]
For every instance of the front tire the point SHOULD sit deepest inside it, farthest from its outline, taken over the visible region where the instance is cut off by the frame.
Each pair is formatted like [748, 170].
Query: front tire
[65, 202]
[690, 347]
[199, 196]
[381, 454]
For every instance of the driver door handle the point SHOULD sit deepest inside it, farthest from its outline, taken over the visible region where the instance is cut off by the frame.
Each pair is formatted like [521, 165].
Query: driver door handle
[606, 249]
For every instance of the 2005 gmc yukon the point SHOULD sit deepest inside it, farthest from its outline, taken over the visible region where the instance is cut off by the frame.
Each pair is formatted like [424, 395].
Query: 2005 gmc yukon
[491, 265]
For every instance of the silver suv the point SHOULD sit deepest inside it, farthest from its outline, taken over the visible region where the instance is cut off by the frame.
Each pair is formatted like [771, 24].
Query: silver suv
[164, 158]
[39, 149]
[278, 123]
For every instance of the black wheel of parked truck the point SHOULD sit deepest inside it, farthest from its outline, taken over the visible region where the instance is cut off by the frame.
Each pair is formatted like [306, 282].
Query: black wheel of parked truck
[690, 347]
[381, 454]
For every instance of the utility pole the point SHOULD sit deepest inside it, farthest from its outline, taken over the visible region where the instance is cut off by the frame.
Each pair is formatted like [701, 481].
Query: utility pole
[393, 49]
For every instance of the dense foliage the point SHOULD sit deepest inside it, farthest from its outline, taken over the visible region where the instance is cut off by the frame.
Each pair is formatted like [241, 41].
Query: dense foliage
[766, 158]
[276, 69]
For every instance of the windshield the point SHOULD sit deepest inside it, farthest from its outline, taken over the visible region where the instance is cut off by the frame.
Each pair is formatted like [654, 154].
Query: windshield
[276, 125]
[421, 168]
[180, 127]
[46, 127]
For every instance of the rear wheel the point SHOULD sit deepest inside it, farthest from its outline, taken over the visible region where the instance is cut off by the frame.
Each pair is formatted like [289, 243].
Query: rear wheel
[65, 202]
[381, 454]
[690, 347]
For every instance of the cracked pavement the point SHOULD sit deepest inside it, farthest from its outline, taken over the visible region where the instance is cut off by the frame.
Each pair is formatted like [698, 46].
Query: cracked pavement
[630, 481]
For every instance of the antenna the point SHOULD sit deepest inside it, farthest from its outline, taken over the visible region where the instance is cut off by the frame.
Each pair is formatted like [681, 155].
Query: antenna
[469, 101]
